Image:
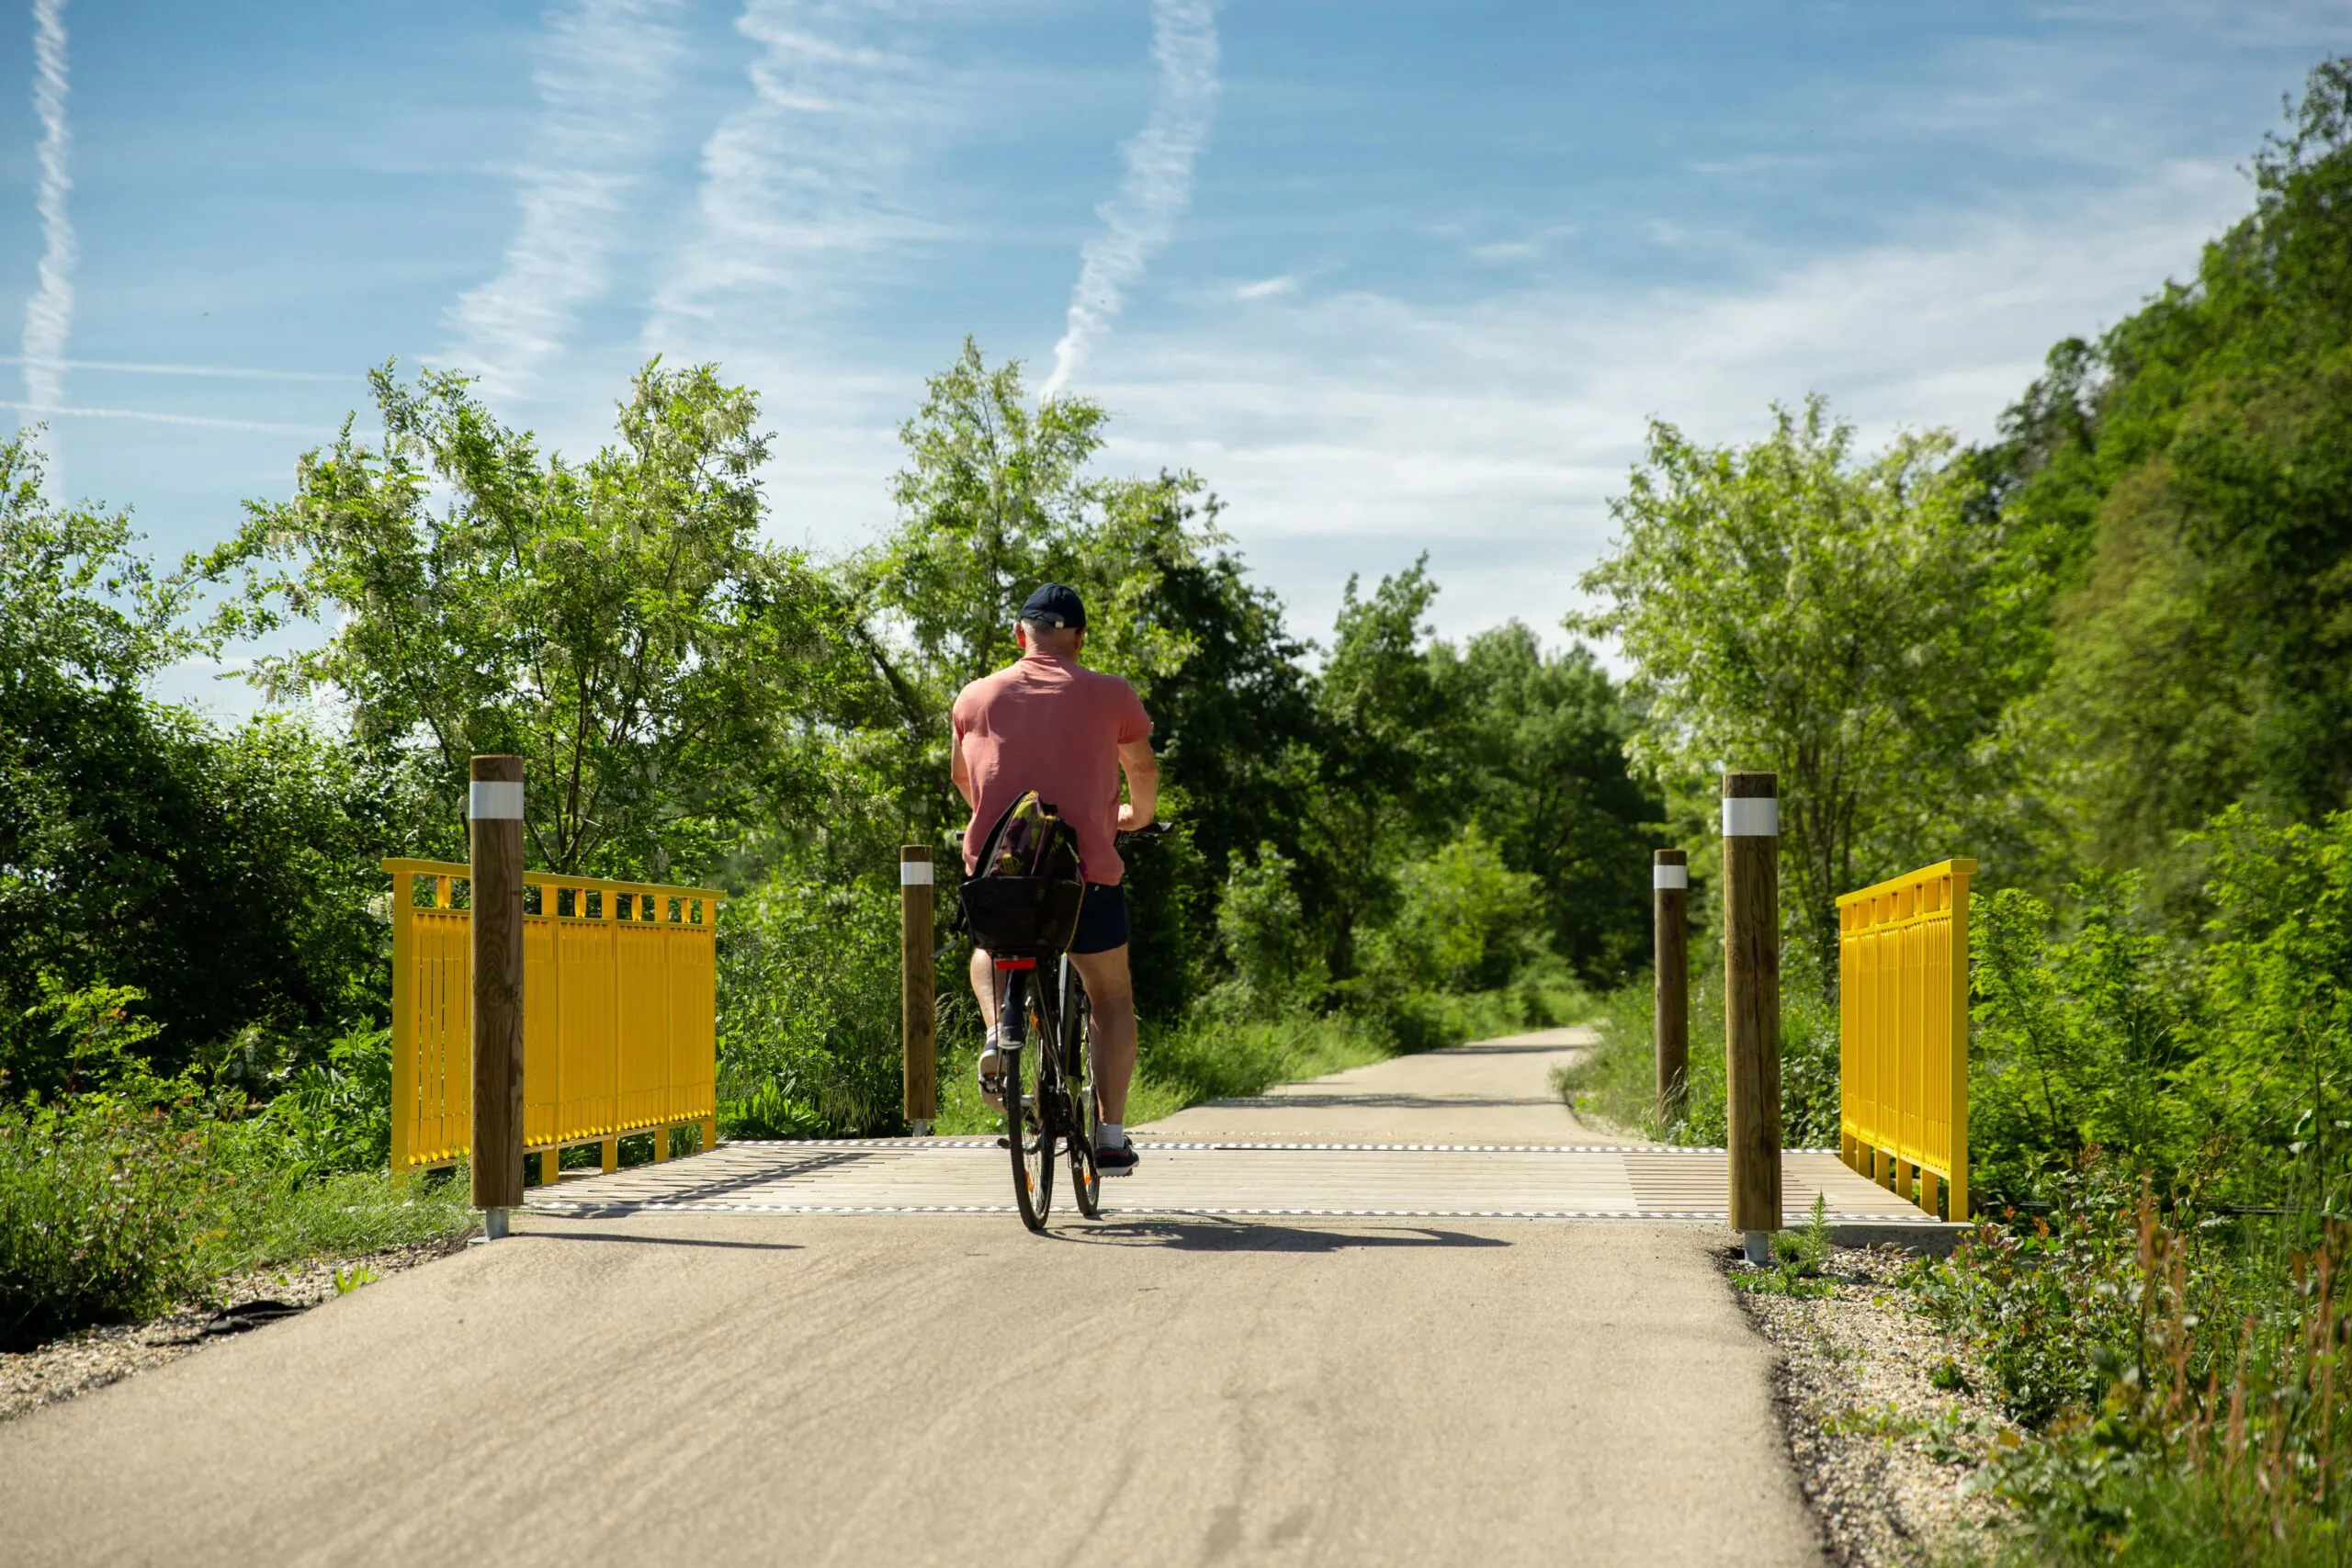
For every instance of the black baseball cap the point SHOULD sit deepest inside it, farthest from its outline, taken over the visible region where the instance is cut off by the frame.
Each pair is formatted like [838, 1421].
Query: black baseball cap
[1055, 605]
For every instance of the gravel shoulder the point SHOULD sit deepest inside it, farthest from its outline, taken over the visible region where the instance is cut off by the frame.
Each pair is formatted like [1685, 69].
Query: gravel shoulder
[77, 1363]
[1885, 1456]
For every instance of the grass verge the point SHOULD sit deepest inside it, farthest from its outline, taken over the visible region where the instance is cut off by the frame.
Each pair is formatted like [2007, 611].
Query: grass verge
[112, 1211]
[1617, 1080]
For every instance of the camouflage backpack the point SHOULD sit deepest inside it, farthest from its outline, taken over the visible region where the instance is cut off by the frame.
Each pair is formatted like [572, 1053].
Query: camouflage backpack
[1024, 894]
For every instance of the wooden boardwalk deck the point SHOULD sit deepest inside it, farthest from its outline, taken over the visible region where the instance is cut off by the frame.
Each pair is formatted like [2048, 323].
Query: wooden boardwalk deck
[937, 1175]
[1475, 1132]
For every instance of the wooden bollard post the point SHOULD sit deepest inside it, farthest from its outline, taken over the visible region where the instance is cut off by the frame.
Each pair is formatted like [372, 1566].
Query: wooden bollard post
[918, 1023]
[1752, 1006]
[494, 814]
[1670, 1008]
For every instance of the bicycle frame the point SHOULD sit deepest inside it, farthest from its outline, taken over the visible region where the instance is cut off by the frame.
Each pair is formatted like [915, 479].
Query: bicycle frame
[1057, 1007]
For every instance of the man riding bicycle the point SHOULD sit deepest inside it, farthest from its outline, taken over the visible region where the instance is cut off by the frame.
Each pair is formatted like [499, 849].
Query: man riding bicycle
[1046, 722]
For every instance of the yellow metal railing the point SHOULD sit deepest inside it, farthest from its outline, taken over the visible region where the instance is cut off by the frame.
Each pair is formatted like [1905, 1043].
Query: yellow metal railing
[619, 1014]
[1902, 1033]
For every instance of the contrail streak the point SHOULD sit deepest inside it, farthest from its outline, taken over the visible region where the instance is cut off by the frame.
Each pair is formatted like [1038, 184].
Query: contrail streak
[803, 187]
[1157, 185]
[217, 372]
[49, 314]
[202, 421]
[607, 67]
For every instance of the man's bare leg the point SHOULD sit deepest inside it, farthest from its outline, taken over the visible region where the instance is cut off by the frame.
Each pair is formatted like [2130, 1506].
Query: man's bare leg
[984, 986]
[1112, 991]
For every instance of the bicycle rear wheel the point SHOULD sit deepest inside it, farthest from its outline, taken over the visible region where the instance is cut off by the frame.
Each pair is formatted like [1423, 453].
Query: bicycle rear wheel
[1029, 1120]
[1078, 1079]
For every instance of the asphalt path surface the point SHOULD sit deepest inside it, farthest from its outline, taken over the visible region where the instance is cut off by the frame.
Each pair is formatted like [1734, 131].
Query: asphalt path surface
[941, 1388]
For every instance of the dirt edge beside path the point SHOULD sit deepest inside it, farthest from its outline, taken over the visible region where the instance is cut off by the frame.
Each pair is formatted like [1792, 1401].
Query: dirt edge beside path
[92, 1358]
[1885, 1457]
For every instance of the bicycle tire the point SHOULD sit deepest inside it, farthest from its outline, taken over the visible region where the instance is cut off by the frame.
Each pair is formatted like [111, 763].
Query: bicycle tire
[1028, 1123]
[1078, 1078]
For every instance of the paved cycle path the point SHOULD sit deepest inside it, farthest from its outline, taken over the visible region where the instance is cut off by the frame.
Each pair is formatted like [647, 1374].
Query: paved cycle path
[947, 1388]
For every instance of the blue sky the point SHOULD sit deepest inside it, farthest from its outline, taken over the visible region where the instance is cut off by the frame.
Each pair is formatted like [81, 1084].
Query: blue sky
[1393, 275]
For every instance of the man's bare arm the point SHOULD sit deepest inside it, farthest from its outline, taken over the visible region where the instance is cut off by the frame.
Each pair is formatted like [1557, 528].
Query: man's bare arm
[961, 775]
[1143, 785]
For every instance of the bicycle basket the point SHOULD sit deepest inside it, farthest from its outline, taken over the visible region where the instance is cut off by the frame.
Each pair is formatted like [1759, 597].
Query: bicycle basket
[1021, 915]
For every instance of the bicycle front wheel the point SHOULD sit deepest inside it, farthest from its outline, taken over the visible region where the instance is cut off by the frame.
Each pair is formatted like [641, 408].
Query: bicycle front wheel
[1078, 1076]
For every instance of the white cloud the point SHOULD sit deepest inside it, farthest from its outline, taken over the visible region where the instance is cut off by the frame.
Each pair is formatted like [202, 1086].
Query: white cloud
[803, 187]
[49, 314]
[1158, 184]
[605, 68]
[1352, 432]
[1267, 288]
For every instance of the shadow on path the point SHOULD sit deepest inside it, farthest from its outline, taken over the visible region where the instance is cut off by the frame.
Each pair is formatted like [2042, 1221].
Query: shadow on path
[1213, 1234]
[658, 1240]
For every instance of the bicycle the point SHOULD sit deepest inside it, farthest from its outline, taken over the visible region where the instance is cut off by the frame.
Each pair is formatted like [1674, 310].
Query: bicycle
[1059, 1115]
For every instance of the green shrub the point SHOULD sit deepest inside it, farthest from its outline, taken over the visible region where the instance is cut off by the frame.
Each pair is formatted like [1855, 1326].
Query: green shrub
[1276, 955]
[93, 1200]
[122, 1200]
[2078, 1037]
[808, 997]
[336, 1115]
[1464, 923]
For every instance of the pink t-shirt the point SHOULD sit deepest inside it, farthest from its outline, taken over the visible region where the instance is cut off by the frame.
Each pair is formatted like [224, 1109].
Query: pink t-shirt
[1048, 724]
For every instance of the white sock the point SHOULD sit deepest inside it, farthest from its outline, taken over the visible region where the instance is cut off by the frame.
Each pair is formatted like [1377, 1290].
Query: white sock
[1110, 1135]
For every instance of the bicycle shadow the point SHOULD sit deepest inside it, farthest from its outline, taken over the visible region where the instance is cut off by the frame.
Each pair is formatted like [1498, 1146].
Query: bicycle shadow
[1216, 1234]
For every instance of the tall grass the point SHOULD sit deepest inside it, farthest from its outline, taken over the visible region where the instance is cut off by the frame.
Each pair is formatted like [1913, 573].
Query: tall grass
[1617, 1080]
[2181, 1374]
[112, 1209]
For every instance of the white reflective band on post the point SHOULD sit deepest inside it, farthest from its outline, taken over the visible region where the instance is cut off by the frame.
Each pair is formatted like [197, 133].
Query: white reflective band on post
[1751, 818]
[914, 874]
[496, 800]
[1665, 877]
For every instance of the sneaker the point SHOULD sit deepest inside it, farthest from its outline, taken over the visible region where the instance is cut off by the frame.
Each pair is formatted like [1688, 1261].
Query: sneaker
[1115, 1162]
[992, 1077]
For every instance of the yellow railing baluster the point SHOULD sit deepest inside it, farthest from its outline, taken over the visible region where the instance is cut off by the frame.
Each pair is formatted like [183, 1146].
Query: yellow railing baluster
[1902, 1033]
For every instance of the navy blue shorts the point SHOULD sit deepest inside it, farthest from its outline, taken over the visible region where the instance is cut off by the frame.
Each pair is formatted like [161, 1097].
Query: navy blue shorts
[1101, 919]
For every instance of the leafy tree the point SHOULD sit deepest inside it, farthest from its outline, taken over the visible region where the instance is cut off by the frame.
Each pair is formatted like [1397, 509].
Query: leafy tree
[2180, 489]
[618, 624]
[1539, 759]
[1370, 785]
[1853, 627]
[217, 881]
[2275, 993]
[1277, 963]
